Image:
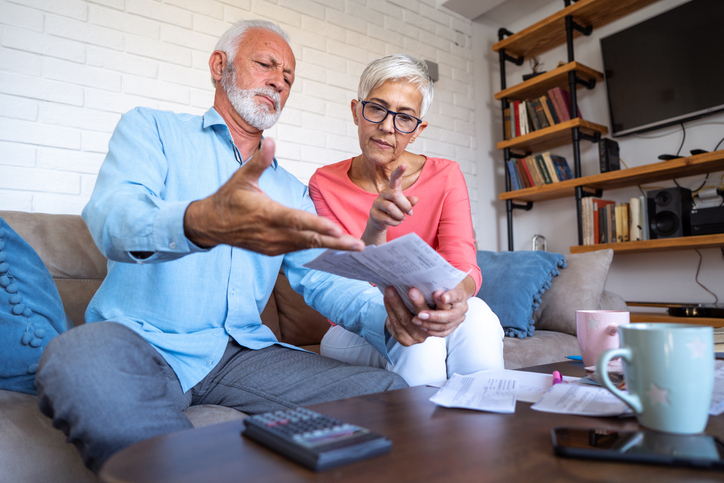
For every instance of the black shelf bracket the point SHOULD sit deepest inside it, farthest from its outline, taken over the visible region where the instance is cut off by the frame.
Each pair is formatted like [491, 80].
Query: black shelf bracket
[568, 3]
[596, 193]
[584, 30]
[511, 154]
[526, 207]
[510, 58]
[503, 32]
[588, 137]
[588, 84]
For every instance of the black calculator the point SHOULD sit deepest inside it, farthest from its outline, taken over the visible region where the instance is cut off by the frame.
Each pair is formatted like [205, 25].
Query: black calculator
[314, 440]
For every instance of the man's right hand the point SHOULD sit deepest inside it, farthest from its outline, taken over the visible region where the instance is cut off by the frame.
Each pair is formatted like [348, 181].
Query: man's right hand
[240, 214]
[399, 319]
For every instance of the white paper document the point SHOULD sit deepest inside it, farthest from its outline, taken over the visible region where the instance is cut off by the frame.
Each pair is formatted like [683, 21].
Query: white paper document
[492, 394]
[531, 385]
[404, 263]
[582, 400]
[717, 398]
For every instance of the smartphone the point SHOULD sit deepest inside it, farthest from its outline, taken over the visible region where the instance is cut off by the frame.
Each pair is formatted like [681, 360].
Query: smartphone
[698, 450]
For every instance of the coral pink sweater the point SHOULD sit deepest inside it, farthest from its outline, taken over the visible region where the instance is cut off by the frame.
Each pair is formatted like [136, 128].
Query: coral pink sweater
[441, 217]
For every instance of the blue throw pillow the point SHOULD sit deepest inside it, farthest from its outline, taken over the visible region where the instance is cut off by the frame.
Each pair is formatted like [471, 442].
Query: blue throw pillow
[31, 312]
[513, 283]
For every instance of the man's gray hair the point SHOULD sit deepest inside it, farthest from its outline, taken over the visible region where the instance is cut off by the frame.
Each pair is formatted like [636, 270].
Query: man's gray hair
[229, 41]
[397, 67]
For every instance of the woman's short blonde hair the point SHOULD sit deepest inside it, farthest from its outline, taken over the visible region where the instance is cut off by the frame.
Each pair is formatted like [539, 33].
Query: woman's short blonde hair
[397, 67]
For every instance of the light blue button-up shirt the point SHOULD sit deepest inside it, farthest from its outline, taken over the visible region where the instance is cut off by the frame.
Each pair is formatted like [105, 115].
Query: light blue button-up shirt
[184, 300]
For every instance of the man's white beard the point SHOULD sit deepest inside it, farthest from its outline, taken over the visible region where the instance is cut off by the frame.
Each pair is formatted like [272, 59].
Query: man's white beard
[245, 103]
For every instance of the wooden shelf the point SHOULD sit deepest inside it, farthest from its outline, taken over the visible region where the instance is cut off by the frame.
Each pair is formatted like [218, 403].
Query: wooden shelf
[551, 137]
[660, 244]
[541, 84]
[665, 170]
[654, 317]
[551, 32]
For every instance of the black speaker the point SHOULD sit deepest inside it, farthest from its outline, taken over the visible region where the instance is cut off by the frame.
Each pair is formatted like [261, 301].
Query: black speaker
[608, 155]
[669, 212]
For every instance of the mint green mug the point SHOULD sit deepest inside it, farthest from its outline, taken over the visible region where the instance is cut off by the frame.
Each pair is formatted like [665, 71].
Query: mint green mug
[669, 374]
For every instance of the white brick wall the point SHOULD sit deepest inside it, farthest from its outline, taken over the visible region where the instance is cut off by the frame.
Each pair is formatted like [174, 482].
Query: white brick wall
[70, 68]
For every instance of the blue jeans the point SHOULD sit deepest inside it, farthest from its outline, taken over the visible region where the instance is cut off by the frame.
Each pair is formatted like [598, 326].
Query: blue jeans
[107, 388]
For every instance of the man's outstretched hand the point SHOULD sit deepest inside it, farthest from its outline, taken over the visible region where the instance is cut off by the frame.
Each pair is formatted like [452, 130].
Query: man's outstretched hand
[240, 214]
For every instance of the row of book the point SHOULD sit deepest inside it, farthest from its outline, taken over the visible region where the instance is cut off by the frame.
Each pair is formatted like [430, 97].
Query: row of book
[605, 221]
[538, 170]
[523, 117]
[718, 339]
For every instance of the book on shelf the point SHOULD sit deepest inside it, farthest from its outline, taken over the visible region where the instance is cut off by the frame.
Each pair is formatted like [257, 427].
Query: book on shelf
[644, 218]
[602, 225]
[562, 102]
[510, 165]
[611, 227]
[540, 113]
[586, 222]
[506, 123]
[540, 162]
[533, 123]
[551, 167]
[525, 174]
[625, 222]
[522, 119]
[552, 110]
[719, 336]
[562, 168]
[559, 107]
[598, 210]
[534, 172]
[619, 223]
[543, 100]
[515, 119]
[635, 230]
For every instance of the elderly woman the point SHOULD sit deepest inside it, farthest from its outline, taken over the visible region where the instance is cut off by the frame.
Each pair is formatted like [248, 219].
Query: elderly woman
[372, 197]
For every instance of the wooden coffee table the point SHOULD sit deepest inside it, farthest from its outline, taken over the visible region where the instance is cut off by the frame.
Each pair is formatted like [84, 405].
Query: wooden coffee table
[430, 443]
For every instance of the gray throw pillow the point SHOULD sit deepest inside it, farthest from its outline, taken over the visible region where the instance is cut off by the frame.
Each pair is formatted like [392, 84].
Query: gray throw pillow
[578, 287]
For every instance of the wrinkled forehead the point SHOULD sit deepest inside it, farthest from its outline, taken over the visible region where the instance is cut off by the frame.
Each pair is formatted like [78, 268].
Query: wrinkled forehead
[263, 42]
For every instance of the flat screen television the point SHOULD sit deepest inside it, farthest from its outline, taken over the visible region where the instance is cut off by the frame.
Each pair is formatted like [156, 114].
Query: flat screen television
[666, 70]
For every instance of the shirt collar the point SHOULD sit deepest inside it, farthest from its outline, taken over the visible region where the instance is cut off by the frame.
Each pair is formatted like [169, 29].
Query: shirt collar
[213, 118]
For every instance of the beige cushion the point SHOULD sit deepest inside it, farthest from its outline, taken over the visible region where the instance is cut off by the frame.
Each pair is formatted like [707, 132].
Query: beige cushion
[543, 347]
[578, 287]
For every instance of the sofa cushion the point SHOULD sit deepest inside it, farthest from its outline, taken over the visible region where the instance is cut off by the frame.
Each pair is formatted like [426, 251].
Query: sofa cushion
[513, 283]
[578, 287]
[66, 247]
[543, 347]
[31, 312]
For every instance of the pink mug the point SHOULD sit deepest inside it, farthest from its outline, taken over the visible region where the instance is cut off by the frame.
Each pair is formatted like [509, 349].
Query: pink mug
[597, 331]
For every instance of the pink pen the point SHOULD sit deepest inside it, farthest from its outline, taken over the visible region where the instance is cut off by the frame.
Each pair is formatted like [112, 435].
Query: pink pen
[557, 378]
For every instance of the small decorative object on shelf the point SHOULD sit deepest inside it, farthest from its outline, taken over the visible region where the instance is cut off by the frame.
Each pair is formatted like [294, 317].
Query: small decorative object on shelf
[535, 65]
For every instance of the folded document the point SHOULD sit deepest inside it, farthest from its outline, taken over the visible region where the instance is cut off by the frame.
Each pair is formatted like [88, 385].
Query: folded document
[403, 263]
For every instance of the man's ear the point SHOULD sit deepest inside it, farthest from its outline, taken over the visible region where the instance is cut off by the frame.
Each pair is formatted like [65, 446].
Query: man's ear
[217, 64]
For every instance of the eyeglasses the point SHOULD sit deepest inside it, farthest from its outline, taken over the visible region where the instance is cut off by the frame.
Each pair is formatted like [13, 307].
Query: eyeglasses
[376, 113]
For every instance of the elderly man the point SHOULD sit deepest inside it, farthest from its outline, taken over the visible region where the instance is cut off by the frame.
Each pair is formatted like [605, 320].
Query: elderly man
[177, 320]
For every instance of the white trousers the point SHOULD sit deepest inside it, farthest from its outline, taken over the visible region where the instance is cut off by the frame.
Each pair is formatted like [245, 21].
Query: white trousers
[476, 345]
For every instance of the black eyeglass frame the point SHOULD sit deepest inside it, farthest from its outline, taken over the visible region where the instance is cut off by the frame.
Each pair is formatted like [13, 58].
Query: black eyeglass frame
[394, 116]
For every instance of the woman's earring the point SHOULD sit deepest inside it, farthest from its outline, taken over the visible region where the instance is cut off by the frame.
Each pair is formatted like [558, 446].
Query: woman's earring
[412, 140]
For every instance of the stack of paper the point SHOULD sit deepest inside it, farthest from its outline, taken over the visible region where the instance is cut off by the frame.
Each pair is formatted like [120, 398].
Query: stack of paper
[479, 392]
[403, 263]
[498, 391]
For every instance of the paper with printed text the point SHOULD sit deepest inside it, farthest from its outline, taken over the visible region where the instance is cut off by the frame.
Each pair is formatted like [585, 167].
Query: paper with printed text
[403, 263]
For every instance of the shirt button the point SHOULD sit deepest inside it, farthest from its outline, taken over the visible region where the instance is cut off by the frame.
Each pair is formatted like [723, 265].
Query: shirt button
[172, 245]
[209, 363]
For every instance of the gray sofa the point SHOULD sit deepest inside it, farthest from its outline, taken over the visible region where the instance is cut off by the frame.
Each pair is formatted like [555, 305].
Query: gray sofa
[31, 450]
